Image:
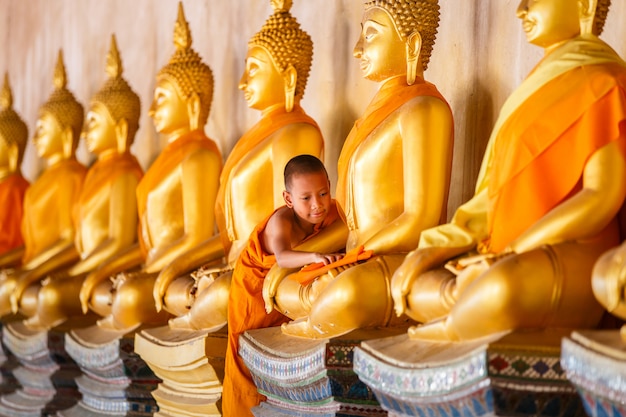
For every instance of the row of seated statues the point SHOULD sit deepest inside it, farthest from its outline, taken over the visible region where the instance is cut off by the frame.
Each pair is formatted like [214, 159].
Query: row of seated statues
[158, 247]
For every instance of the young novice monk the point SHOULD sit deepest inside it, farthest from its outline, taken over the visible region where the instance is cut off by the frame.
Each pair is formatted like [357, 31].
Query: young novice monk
[308, 210]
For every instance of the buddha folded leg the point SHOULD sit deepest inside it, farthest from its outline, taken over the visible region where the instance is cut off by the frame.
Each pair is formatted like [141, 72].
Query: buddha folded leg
[545, 287]
[356, 298]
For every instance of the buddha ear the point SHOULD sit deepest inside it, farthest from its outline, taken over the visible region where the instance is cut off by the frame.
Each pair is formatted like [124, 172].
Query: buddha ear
[14, 153]
[287, 198]
[121, 135]
[290, 76]
[587, 14]
[413, 49]
[67, 141]
[193, 109]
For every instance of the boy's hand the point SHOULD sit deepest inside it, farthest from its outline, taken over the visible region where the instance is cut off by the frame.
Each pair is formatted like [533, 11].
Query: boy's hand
[327, 258]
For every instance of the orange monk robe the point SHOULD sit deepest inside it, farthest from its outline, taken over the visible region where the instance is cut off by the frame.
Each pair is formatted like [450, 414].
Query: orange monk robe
[270, 123]
[102, 174]
[46, 217]
[390, 97]
[541, 150]
[169, 159]
[246, 311]
[12, 191]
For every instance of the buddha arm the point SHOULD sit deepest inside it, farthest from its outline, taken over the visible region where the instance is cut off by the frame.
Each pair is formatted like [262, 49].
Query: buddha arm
[287, 142]
[331, 239]
[129, 258]
[208, 251]
[427, 135]
[122, 225]
[200, 173]
[587, 212]
[12, 258]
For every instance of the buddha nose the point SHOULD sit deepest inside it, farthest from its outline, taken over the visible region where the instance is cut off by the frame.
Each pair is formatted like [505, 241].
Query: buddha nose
[358, 48]
[243, 81]
[522, 9]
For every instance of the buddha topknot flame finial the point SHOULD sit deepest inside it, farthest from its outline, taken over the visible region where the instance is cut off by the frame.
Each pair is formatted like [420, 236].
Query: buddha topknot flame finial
[60, 77]
[13, 130]
[114, 67]
[182, 33]
[281, 5]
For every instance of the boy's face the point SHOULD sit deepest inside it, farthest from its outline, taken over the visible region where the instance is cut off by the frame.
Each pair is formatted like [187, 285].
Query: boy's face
[309, 196]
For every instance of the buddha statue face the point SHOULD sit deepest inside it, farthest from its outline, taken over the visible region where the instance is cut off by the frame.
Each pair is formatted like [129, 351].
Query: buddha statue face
[168, 109]
[99, 131]
[380, 48]
[548, 22]
[48, 136]
[261, 82]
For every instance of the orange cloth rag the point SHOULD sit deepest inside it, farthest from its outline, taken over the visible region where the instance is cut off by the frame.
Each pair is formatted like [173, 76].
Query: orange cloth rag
[309, 272]
[12, 190]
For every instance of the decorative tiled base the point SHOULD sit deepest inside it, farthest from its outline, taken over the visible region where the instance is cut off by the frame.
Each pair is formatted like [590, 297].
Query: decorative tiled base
[306, 378]
[518, 374]
[114, 381]
[191, 365]
[46, 374]
[595, 362]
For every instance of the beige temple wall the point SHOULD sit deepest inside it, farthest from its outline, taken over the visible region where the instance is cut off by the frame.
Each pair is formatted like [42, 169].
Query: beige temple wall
[480, 56]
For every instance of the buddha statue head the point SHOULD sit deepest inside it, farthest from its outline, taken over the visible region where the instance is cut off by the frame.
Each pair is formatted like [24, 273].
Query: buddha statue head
[13, 132]
[60, 119]
[278, 61]
[184, 90]
[113, 117]
[550, 22]
[397, 38]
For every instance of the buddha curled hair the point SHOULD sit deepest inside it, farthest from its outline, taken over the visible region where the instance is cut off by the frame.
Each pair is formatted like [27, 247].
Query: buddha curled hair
[116, 95]
[413, 16]
[62, 105]
[186, 71]
[287, 43]
[602, 10]
[13, 130]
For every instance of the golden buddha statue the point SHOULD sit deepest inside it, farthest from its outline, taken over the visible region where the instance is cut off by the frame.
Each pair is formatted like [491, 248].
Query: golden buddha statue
[175, 198]
[13, 186]
[106, 214]
[393, 176]
[47, 225]
[547, 196]
[276, 70]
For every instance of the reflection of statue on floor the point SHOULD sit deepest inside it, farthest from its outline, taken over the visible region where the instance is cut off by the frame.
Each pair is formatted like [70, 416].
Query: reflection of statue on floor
[546, 199]
[394, 172]
[275, 75]
[175, 198]
[13, 186]
[47, 224]
[106, 215]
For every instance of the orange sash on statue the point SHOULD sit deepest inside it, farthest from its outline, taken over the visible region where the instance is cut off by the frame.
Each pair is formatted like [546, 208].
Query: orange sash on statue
[12, 190]
[170, 158]
[246, 311]
[105, 170]
[393, 94]
[269, 124]
[542, 148]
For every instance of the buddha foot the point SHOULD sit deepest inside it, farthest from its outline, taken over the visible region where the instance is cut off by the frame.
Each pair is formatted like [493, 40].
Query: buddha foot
[434, 331]
[186, 323]
[303, 328]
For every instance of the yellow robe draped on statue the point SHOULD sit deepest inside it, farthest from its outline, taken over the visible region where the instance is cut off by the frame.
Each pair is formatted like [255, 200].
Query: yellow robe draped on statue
[12, 191]
[246, 311]
[543, 120]
[45, 217]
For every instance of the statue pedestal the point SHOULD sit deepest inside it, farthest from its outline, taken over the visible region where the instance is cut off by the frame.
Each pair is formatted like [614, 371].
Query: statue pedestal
[114, 380]
[595, 362]
[45, 374]
[516, 374]
[191, 365]
[309, 377]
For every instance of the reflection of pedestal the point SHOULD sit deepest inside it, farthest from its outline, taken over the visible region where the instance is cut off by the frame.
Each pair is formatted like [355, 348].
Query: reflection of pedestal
[514, 375]
[191, 365]
[309, 377]
[114, 380]
[595, 362]
[46, 373]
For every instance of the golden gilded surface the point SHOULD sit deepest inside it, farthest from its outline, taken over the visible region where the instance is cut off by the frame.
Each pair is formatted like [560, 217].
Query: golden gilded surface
[13, 133]
[47, 225]
[542, 278]
[393, 182]
[276, 70]
[175, 198]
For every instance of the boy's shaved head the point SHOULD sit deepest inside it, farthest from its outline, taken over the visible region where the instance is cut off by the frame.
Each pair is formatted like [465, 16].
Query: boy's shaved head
[302, 164]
